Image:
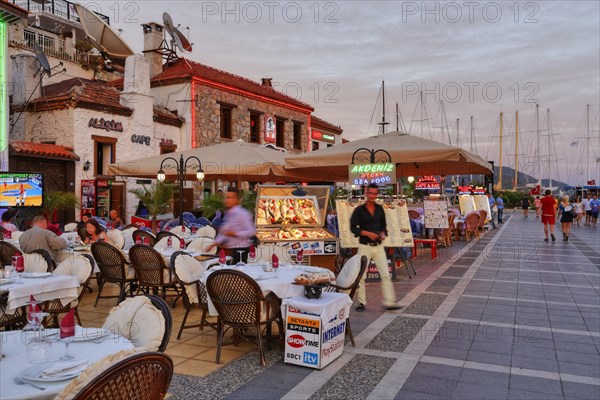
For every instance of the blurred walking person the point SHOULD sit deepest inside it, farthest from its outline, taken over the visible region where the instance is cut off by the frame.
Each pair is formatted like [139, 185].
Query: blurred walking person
[525, 204]
[587, 208]
[595, 208]
[538, 206]
[500, 206]
[578, 206]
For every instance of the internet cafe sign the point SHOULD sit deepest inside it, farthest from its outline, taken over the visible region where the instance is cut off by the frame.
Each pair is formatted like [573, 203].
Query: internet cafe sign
[365, 174]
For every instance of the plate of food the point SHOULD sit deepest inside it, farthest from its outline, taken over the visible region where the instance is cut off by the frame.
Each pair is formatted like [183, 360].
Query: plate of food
[36, 274]
[55, 371]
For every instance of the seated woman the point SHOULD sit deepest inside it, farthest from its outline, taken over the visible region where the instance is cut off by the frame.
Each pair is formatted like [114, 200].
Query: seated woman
[94, 232]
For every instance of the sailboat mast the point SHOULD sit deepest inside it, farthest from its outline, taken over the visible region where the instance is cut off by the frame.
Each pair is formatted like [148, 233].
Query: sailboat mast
[457, 132]
[539, 157]
[383, 123]
[516, 179]
[549, 151]
[500, 167]
[397, 118]
[587, 144]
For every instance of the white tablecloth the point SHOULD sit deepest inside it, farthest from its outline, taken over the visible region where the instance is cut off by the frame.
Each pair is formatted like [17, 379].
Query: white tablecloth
[62, 287]
[327, 306]
[14, 347]
[279, 282]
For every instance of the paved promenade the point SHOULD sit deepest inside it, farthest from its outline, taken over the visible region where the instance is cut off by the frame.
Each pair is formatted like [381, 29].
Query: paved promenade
[508, 317]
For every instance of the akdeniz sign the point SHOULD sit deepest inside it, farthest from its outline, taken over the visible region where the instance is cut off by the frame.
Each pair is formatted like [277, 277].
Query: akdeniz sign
[365, 174]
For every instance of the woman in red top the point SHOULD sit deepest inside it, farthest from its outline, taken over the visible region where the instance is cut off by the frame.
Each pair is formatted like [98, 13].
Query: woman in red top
[548, 214]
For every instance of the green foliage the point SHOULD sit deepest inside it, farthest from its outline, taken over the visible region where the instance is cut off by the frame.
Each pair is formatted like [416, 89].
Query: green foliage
[156, 197]
[57, 200]
[338, 193]
[248, 201]
[513, 199]
[211, 204]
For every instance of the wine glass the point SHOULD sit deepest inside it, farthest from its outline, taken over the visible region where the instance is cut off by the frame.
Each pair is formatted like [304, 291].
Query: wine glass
[241, 253]
[33, 322]
[66, 336]
[19, 265]
[39, 347]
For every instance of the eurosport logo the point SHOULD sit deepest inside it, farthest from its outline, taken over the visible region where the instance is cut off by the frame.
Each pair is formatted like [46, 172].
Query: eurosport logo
[297, 341]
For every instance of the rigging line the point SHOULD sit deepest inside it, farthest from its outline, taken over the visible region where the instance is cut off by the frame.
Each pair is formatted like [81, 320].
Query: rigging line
[25, 105]
[374, 109]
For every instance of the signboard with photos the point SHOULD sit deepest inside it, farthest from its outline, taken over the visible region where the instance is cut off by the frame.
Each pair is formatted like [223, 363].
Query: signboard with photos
[435, 211]
[396, 216]
[483, 203]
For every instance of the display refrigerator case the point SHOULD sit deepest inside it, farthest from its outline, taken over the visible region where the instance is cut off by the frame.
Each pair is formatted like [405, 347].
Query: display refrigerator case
[295, 222]
[95, 197]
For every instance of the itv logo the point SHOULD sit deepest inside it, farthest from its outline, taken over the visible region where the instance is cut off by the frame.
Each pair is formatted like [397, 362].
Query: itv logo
[311, 358]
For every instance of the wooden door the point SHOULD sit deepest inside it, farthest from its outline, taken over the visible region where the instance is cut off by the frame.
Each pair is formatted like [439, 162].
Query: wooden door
[117, 201]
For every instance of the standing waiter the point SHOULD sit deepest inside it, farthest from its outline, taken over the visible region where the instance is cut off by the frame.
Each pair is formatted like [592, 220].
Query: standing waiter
[369, 225]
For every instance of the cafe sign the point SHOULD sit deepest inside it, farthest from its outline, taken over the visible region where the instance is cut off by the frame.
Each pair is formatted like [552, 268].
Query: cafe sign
[427, 182]
[104, 124]
[324, 137]
[365, 174]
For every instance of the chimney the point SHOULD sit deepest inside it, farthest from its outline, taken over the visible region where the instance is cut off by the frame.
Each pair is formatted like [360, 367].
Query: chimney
[267, 82]
[153, 37]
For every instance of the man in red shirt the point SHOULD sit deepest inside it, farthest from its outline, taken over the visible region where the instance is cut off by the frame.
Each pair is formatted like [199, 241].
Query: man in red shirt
[548, 214]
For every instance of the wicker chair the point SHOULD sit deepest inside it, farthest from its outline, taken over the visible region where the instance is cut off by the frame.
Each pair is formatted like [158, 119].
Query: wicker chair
[55, 307]
[152, 272]
[45, 255]
[447, 233]
[482, 218]
[164, 234]
[164, 309]
[471, 225]
[196, 300]
[351, 290]
[7, 251]
[141, 235]
[241, 306]
[113, 269]
[144, 376]
[14, 321]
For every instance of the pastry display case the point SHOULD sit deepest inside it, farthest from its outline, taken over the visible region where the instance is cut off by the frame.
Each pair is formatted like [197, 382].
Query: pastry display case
[293, 221]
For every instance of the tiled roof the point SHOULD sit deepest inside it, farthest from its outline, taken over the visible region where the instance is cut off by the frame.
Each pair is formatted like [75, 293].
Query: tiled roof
[316, 122]
[183, 70]
[42, 149]
[164, 116]
[80, 92]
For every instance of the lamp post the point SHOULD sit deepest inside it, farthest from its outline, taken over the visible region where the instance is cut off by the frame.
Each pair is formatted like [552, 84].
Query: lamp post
[181, 167]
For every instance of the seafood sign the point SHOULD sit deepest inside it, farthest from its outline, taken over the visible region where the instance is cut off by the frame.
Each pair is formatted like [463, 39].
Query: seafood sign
[365, 174]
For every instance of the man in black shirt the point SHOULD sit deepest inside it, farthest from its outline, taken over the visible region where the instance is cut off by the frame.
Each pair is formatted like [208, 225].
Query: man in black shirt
[369, 225]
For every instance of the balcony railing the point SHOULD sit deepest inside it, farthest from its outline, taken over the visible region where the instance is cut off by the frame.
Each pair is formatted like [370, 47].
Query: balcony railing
[52, 46]
[61, 8]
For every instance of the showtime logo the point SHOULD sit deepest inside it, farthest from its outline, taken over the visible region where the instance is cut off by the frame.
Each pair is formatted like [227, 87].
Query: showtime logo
[297, 341]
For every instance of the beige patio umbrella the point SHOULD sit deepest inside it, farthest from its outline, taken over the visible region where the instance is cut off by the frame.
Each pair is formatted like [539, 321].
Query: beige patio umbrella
[232, 161]
[413, 155]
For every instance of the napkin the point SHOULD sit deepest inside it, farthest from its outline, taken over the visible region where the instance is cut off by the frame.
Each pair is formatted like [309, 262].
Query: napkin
[33, 308]
[252, 252]
[65, 368]
[275, 261]
[67, 325]
[222, 257]
[300, 255]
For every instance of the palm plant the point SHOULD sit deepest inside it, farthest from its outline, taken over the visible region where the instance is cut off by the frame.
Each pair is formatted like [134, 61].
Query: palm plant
[211, 204]
[157, 198]
[56, 200]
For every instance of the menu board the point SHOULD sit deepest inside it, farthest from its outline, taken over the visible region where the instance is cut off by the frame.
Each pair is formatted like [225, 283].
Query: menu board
[482, 203]
[435, 213]
[396, 216]
[467, 203]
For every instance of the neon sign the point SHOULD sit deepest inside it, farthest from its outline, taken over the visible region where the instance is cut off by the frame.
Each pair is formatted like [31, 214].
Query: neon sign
[365, 174]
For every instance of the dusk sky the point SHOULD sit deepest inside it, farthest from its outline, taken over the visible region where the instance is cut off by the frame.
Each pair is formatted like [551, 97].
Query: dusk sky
[479, 57]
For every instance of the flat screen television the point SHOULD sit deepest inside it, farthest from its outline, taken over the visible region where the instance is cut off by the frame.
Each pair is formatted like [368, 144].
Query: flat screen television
[21, 189]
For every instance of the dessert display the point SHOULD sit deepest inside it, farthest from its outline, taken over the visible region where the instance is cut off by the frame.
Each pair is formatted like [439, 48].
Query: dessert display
[286, 210]
[314, 278]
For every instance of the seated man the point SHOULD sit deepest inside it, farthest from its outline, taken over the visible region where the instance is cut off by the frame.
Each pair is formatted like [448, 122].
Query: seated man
[116, 221]
[84, 219]
[39, 237]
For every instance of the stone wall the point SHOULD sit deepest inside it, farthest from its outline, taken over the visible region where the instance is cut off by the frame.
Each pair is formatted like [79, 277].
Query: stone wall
[208, 113]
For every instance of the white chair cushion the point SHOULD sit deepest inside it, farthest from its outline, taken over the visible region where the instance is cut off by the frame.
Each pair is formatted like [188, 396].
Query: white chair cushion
[189, 270]
[202, 245]
[35, 263]
[349, 272]
[75, 265]
[128, 239]
[116, 238]
[71, 227]
[206, 231]
[162, 244]
[179, 232]
[91, 372]
[16, 235]
[139, 321]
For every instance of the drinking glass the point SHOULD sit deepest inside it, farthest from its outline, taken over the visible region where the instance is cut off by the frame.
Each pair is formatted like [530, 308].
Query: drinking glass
[67, 341]
[39, 347]
[241, 253]
[19, 267]
[33, 322]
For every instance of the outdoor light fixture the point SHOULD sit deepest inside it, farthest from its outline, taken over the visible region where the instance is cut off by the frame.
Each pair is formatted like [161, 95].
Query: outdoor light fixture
[86, 165]
[299, 192]
[181, 167]
[411, 179]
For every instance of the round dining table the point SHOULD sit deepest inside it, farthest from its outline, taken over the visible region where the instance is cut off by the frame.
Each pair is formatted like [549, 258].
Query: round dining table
[15, 361]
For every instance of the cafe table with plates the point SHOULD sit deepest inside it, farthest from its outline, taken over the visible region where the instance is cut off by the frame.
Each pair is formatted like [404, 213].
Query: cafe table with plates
[43, 285]
[279, 281]
[87, 346]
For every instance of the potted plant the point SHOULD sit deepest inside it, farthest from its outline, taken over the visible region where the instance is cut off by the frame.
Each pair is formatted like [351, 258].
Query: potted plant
[157, 198]
[57, 200]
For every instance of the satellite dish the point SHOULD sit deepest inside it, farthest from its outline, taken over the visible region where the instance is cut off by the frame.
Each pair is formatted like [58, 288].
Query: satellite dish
[178, 39]
[43, 60]
[168, 23]
[102, 37]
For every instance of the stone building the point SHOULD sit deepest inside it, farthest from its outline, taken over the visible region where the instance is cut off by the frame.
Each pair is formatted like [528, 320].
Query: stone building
[323, 134]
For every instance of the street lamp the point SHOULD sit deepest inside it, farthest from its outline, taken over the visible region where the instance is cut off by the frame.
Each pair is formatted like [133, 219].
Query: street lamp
[181, 167]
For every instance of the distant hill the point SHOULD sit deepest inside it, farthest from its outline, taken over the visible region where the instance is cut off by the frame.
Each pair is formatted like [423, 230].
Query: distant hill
[508, 175]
